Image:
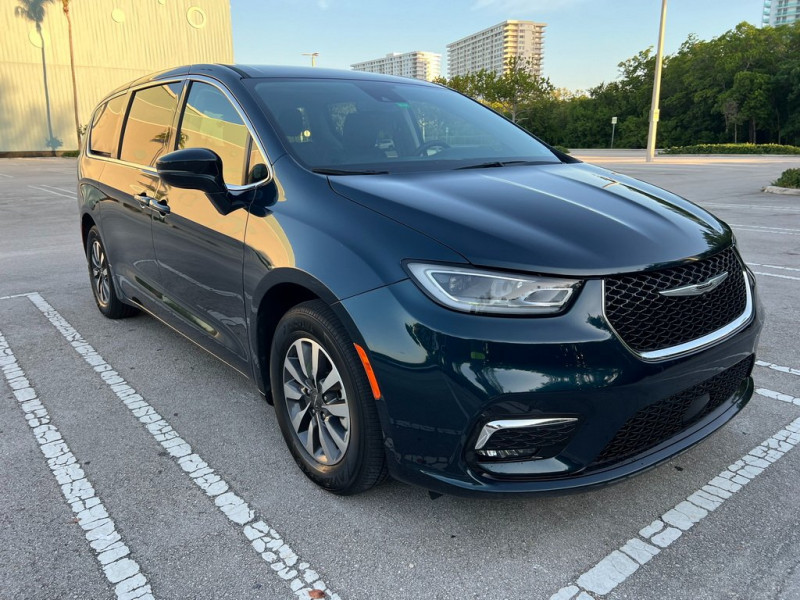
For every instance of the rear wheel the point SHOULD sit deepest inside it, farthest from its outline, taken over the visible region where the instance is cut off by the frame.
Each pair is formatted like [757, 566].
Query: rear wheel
[102, 282]
[323, 401]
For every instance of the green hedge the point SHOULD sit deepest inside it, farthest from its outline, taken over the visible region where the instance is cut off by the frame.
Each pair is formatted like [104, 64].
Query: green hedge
[790, 178]
[732, 149]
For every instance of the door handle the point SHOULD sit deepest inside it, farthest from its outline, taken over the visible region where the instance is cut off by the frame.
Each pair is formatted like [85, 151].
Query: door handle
[161, 207]
[143, 200]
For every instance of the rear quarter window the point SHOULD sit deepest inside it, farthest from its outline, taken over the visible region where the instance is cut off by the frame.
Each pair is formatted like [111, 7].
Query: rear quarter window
[103, 135]
[149, 124]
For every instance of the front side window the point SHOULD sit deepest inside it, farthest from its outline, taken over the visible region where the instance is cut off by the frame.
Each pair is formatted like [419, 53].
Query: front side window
[103, 135]
[210, 121]
[147, 129]
[386, 126]
[256, 165]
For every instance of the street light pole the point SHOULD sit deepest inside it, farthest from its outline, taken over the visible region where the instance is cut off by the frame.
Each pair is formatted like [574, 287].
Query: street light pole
[313, 56]
[654, 111]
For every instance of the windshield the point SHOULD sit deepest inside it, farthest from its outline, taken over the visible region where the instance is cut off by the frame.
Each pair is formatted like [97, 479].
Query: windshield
[338, 126]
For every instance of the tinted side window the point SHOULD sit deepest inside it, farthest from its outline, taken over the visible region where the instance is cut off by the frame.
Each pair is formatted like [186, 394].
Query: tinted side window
[210, 121]
[103, 136]
[148, 126]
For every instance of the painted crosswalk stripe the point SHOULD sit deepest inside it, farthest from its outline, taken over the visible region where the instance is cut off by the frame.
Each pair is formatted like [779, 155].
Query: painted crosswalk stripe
[263, 538]
[623, 562]
[109, 549]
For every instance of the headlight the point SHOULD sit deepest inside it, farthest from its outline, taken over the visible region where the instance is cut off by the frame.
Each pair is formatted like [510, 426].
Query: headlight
[475, 290]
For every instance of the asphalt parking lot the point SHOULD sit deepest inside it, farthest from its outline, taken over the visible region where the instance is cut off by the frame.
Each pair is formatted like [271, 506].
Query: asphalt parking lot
[135, 465]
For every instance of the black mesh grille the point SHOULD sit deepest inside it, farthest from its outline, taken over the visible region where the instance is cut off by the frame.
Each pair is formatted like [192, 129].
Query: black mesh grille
[557, 434]
[648, 321]
[662, 420]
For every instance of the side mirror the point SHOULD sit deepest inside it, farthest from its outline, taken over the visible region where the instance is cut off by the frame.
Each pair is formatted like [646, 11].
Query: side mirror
[196, 169]
[193, 168]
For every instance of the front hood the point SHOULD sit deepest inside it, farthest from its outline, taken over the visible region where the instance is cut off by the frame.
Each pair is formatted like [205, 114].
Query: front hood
[568, 219]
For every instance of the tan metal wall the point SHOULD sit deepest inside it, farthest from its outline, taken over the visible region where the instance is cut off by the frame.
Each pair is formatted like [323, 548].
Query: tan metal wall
[115, 41]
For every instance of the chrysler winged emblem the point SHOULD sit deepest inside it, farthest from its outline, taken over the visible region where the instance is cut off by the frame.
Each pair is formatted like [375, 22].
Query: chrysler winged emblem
[697, 288]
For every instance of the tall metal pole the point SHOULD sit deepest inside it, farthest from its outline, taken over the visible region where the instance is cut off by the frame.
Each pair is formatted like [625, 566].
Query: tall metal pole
[313, 56]
[654, 112]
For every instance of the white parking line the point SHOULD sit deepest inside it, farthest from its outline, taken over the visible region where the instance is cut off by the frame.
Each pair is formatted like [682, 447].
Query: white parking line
[766, 228]
[25, 295]
[774, 267]
[777, 276]
[778, 396]
[620, 564]
[774, 367]
[753, 206]
[65, 190]
[43, 189]
[769, 231]
[286, 564]
[110, 551]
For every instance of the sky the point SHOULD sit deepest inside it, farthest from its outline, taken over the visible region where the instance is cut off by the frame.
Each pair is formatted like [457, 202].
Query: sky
[585, 40]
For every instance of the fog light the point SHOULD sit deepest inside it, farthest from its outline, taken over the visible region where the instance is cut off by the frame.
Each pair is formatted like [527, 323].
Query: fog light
[507, 454]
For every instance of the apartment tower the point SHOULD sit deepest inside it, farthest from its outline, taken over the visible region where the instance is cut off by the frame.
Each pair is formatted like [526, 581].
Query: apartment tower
[417, 64]
[491, 48]
[780, 12]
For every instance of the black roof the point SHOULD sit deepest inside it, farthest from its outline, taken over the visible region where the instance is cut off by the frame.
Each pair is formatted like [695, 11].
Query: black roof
[228, 72]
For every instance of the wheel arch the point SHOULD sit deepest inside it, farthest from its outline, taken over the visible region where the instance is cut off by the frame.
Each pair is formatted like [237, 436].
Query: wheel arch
[87, 222]
[280, 291]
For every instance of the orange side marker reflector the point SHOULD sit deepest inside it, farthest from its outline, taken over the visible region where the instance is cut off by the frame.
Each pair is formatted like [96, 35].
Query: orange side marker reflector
[373, 383]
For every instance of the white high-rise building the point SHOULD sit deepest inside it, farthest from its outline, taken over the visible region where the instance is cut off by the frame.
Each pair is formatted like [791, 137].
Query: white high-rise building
[491, 48]
[780, 12]
[417, 64]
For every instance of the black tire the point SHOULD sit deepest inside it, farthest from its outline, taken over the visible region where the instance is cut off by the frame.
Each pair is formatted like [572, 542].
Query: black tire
[362, 462]
[101, 278]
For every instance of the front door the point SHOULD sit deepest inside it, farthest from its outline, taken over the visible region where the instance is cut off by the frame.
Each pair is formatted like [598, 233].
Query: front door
[200, 251]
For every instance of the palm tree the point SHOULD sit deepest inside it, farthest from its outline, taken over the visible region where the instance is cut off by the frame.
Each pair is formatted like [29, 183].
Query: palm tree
[65, 5]
[33, 10]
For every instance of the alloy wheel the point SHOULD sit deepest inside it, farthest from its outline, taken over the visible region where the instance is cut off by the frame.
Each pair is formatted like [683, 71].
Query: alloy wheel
[99, 269]
[316, 401]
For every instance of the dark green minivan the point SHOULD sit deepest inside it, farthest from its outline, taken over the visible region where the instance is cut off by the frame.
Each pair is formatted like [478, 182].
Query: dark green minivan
[419, 286]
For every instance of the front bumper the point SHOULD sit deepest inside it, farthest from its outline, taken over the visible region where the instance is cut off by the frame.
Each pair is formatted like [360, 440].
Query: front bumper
[444, 375]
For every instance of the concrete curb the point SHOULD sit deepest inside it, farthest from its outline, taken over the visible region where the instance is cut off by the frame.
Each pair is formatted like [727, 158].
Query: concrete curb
[774, 189]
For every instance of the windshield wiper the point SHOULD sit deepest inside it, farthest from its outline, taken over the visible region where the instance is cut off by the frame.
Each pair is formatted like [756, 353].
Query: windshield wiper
[497, 163]
[346, 172]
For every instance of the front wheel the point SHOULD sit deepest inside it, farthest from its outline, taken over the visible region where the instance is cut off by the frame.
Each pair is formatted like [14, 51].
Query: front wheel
[323, 401]
[102, 282]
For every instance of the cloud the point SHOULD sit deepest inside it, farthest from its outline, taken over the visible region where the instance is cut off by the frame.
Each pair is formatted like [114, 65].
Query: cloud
[527, 6]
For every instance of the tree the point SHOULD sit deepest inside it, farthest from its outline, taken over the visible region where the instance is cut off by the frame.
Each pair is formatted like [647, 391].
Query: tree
[516, 86]
[65, 6]
[33, 10]
[752, 93]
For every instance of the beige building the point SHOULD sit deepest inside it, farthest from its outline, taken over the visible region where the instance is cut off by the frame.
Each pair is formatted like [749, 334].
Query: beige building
[417, 64]
[491, 48]
[115, 41]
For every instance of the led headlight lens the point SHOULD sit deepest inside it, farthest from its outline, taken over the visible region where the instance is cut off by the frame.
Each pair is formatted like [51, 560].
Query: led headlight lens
[474, 290]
